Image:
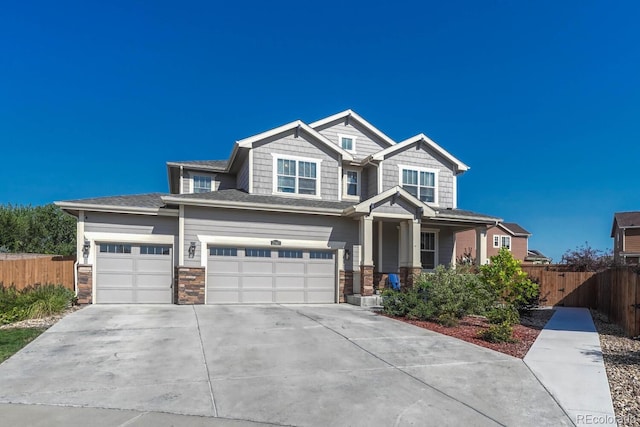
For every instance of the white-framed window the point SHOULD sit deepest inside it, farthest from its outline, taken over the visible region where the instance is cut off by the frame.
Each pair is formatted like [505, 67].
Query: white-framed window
[428, 249]
[155, 250]
[502, 241]
[288, 253]
[215, 251]
[420, 182]
[201, 184]
[347, 142]
[257, 253]
[296, 175]
[321, 255]
[351, 183]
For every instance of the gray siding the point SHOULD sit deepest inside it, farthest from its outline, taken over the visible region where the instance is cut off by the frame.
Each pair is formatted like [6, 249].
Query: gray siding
[237, 223]
[390, 249]
[366, 143]
[401, 206]
[420, 158]
[219, 181]
[243, 176]
[446, 239]
[127, 223]
[302, 146]
[372, 181]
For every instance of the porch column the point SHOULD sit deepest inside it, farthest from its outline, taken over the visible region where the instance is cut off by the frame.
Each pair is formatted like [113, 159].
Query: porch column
[366, 263]
[481, 245]
[414, 267]
[403, 244]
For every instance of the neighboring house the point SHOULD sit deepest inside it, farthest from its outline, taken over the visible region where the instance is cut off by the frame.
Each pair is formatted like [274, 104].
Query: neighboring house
[536, 257]
[505, 234]
[626, 237]
[300, 213]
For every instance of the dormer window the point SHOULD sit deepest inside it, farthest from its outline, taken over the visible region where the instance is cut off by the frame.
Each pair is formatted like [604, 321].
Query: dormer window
[201, 184]
[295, 175]
[348, 143]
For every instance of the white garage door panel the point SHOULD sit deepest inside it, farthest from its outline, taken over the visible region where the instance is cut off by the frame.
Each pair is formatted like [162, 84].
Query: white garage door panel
[240, 279]
[136, 277]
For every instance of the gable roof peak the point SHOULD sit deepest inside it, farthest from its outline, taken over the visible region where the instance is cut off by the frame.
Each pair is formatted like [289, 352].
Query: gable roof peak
[349, 113]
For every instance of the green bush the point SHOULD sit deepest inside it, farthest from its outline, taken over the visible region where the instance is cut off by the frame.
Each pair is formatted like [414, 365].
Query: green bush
[503, 314]
[33, 302]
[444, 296]
[502, 332]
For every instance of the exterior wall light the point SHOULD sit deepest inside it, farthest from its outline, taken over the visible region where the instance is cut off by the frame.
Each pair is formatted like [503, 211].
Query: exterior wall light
[192, 249]
[85, 249]
[347, 254]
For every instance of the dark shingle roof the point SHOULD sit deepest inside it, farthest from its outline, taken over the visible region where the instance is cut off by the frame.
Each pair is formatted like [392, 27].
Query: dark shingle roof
[150, 200]
[465, 214]
[515, 228]
[202, 164]
[628, 219]
[242, 197]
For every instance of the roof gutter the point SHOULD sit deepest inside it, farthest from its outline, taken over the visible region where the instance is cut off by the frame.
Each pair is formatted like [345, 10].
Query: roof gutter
[117, 209]
[253, 206]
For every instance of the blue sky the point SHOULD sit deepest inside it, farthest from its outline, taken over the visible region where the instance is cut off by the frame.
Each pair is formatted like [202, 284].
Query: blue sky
[541, 99]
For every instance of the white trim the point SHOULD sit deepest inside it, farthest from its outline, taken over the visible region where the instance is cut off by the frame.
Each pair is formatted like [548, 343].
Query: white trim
[354, 116]
[353, 142]
[380, 232]
[345, 195]
[206, 240]
[116, 209]
[363, 207]
[380, 176]
[418, 169]
[181, 236]
[248, 142]
[250, 174]
[496, 240]
[181, 180]
[80, 236]
[500, 238]
[422, 138]
[436, 243]
[454, 191]
[340, 172]
[297, 159]
[162, 239]
[254, 206]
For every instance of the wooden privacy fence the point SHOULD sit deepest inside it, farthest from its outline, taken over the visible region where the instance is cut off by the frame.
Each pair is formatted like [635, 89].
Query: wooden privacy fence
[57, 270]
[613, 292]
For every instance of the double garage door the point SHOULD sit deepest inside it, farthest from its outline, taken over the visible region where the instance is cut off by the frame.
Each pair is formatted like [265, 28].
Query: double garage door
[256, 275]
[130, 273]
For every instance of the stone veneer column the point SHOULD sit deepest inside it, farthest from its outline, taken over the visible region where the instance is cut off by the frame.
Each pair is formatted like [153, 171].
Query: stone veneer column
[366, 280]
[189, 285]
[85, 284]
[412, 274]
[346, 285]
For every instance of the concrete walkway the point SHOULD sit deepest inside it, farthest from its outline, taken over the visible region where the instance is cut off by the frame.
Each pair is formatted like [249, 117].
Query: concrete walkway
[567, 360]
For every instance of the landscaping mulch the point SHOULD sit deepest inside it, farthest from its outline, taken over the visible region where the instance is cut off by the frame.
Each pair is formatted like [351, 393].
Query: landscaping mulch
[44, 322]
[469, 328]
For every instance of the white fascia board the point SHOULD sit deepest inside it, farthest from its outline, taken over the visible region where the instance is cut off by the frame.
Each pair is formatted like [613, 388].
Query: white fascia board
[117, 209]
[354, 116]
[161, 239]
[380, 155]
[254, 206]
[363, 207]
[253, 242]
[467, 219]
[197, 167]
[248, 142]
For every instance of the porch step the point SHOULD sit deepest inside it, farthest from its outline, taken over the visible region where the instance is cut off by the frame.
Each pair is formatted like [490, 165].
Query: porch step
[373, 301]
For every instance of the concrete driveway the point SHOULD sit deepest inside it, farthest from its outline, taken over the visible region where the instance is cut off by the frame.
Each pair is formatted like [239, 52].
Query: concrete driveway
[288, 365]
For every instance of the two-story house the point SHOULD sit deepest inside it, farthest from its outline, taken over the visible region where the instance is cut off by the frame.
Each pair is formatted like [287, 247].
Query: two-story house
[625, 232]
[300, 213]
[504, 235]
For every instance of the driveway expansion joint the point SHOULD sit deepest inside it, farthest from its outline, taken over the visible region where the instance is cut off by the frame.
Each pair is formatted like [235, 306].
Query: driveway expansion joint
[401, 370]
[206, 366]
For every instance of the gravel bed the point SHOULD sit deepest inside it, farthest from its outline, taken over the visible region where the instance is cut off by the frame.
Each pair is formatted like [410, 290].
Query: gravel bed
[622, 361]
[44, 322]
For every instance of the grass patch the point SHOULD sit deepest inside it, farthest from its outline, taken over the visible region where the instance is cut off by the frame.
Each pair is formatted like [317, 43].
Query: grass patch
[12, 340]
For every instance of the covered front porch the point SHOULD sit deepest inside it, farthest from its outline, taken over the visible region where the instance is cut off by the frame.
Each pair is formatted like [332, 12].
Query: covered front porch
[399, 234]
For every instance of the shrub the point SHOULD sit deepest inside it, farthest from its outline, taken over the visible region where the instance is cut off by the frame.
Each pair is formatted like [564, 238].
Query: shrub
[444, 296]
[33, 302]
[502, 332]
[503, 314]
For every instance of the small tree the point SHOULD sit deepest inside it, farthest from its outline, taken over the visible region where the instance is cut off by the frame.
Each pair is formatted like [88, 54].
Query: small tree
[586, 258]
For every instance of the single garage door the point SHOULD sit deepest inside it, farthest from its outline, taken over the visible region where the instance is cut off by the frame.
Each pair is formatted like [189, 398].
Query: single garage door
[254, 275]
[130, 273]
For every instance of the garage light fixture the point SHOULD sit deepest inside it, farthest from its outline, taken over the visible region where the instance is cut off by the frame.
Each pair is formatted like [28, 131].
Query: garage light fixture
[347, 255]
[192, 249]
[85, 249]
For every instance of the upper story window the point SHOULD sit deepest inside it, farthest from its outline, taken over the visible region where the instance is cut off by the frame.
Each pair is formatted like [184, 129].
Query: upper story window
[420, 182]
[351, 183]
[502, 242]
[348, 143]
[201, 184]
[297, 176]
